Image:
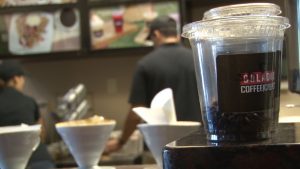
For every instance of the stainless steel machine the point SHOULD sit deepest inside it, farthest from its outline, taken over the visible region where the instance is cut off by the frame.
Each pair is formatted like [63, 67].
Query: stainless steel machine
[73, 105]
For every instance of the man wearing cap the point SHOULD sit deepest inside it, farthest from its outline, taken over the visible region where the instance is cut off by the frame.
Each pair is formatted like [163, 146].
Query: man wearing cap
[17, 108]
[170, 65]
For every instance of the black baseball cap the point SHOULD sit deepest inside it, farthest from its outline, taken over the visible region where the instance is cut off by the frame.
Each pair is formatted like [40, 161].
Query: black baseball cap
[10, 68]
[163, 24]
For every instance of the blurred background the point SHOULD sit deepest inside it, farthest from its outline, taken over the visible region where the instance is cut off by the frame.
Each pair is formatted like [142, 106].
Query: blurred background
[96, 43]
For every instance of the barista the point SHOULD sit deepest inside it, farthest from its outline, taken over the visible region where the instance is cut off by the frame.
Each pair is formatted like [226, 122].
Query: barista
[17, 108]
[169, 65]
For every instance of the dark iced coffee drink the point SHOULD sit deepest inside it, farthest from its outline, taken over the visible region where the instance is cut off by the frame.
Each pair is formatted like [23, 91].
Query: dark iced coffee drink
[237, 54]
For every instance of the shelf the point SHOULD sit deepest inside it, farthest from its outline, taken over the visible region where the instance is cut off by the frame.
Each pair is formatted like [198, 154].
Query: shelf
[81, 55]
[44, 55]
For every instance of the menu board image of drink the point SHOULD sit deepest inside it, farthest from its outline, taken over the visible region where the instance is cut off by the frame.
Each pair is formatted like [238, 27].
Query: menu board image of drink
[128, 25]
[40, 32]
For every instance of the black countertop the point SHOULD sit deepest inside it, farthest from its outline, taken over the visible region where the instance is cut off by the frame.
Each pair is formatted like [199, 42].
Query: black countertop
[282, 151]
[126, 167]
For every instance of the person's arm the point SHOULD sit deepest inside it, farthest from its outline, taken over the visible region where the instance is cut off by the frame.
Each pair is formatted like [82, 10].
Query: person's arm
[138, 98]
[132, 120]
[39, 120]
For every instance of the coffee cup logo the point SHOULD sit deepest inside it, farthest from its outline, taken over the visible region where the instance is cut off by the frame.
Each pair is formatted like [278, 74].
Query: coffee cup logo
[254, 82]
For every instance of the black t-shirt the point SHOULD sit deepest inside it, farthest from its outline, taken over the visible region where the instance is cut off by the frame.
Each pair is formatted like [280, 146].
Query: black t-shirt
[168, 66]
[17, 108]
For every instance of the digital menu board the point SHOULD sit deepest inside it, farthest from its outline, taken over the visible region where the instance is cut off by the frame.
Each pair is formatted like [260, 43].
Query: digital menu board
[40, 32]
[126, 26]
[6, 3]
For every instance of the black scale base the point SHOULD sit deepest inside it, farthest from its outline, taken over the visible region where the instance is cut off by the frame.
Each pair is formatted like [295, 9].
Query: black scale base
[282, 151]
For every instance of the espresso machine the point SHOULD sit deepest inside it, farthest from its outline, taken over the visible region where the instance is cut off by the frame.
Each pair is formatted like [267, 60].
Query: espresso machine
[73, 105]
[280, 150]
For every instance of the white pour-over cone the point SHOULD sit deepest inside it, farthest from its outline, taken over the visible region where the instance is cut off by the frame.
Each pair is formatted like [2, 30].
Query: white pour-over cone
[86, 143]
[161, 111]
[17, 144]
[157, 136]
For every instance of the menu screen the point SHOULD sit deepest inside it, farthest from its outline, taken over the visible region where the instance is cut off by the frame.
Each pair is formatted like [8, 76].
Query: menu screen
[5, 3]
[40, 32]
[127, 26]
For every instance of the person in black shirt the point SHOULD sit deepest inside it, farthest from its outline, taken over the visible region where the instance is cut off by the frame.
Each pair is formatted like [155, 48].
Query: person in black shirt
[170, 65]
[17, 108]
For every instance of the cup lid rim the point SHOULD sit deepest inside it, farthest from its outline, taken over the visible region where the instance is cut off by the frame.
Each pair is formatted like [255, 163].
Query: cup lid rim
[190, 28]
[269, 9]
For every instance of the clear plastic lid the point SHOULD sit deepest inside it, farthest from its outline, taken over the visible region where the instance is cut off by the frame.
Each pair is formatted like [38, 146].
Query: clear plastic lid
[267, 9]
[237, 21]
[238, 26]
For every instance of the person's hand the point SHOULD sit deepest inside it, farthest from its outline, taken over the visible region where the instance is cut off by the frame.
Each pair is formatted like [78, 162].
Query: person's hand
[112, 145]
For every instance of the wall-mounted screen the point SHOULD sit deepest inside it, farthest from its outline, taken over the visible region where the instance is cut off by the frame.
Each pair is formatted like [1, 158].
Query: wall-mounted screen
[40, 32]
[5, 3]
[127, 26]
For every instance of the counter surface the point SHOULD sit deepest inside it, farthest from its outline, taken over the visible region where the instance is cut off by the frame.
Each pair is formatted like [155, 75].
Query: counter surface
[286, 133]
[128, 167]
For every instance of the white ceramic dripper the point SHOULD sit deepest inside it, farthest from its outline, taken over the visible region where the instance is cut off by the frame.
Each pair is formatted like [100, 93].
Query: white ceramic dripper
[157, 136]
[86, 142]
[17, 144]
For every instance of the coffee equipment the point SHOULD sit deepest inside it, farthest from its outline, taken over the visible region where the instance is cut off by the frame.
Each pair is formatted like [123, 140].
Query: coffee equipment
[17, 144]
[73, 105]
[195, 152]
[86, 139]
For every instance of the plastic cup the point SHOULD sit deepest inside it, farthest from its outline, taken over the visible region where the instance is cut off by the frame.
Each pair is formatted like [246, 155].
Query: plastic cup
[237, 52]
[118, 20]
